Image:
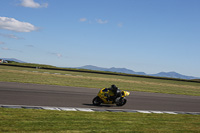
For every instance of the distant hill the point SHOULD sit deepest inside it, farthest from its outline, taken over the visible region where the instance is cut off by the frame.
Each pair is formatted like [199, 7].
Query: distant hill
[13, 59]
[173, 75]
[125, 70]
[113, 69]
[128, 71]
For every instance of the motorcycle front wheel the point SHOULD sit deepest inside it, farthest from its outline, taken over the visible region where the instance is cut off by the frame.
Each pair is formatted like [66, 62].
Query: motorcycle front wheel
[96, 101]
[120, 101]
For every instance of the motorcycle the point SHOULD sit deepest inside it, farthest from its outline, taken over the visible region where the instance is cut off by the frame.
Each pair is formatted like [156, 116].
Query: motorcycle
[105, 93]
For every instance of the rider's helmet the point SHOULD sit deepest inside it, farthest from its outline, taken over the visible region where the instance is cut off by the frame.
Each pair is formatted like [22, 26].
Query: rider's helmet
[113, 87]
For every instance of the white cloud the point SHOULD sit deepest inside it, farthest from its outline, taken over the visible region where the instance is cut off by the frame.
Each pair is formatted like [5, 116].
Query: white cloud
[83, 19]
[10, 36]
[4, 48]
[59, 55]
[32, 4]
[56, 54]
[100, 21]
[8, 49]
[120, 24]
[15, 25]
[31, 46]
[2, 42]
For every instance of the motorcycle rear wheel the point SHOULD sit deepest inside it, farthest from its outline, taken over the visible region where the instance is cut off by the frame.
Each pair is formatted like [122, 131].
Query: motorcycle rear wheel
[96, 101]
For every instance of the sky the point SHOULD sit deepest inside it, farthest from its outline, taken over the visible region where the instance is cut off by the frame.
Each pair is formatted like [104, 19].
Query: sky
[148, 36]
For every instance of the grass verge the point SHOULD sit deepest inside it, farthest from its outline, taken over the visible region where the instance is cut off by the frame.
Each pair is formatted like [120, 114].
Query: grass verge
[90, 80]
[30, 120]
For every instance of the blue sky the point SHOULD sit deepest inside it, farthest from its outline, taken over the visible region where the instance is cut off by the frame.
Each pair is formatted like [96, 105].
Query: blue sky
[142, 35]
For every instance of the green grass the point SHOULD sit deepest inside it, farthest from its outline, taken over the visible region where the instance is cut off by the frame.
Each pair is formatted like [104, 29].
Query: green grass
[92, 80]
[30, 120]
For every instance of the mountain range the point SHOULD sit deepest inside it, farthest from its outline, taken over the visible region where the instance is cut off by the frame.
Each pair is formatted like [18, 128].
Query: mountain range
[13, 59]
[124, 70]
[128, 71]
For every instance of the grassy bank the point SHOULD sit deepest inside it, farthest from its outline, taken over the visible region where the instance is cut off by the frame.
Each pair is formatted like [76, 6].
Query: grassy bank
[26, 120]
[92, 80]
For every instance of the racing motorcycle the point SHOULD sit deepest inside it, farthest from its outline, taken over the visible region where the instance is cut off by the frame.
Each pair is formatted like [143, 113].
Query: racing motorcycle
[105, 93]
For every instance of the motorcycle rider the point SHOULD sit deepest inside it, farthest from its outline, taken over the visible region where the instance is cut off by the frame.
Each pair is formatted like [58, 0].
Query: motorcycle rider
[116, 91]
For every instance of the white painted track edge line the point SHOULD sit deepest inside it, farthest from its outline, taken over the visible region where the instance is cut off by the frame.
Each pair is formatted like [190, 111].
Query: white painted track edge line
[95, 109]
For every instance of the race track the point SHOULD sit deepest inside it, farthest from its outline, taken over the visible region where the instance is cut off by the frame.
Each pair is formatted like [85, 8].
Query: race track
[59, 96]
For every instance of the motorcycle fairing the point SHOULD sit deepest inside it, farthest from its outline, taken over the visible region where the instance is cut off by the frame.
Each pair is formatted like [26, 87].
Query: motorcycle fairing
[104, 94]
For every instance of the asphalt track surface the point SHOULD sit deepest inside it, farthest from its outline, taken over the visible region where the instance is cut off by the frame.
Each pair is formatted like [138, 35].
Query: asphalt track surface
[60, 96]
